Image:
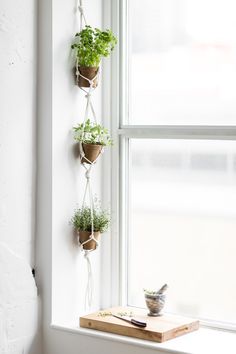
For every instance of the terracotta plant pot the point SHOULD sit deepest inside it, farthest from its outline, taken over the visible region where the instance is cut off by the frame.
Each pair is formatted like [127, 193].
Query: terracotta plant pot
[84, 236]
[88, 72]
[92, 151]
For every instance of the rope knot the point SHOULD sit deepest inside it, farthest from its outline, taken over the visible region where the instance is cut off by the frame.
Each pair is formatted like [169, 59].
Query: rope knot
[87, 174]
[86, 254]
[81, 9]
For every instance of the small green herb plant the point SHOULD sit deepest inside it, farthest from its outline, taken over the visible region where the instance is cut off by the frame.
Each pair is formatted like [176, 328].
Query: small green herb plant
[91, 44]
[81, 219]
[92, 133]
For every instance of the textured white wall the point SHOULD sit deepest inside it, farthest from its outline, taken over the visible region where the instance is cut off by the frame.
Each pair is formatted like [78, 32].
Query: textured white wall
[69, 266]
[18, 293]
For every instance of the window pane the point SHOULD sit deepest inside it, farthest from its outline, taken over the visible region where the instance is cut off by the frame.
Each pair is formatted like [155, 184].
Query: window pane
[183, 225]
[183, 62]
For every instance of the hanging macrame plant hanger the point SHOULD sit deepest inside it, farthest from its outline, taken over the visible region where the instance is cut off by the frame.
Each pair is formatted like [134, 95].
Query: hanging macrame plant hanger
[88, 164]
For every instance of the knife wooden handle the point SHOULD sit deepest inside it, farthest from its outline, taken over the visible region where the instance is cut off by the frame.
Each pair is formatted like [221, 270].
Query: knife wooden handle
[138, 323]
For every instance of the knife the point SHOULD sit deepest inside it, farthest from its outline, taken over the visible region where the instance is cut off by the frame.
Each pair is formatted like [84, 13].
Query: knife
[131, 320]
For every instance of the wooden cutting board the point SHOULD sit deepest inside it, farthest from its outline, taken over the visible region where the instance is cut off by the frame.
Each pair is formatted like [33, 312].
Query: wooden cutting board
[159, 329]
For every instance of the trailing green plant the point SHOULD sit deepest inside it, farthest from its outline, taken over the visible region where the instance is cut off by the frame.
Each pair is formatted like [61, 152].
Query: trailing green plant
[92, 133]
[81, 219]
[91, 44]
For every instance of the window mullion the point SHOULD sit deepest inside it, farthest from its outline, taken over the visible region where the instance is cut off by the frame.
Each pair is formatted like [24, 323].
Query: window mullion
[179, 132]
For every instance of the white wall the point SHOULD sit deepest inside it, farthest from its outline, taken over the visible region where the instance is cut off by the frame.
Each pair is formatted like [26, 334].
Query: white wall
[62, 273]
[18, 294]
[69, 266]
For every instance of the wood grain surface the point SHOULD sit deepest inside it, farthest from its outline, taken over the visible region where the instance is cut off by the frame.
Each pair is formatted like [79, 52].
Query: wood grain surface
[159, 329]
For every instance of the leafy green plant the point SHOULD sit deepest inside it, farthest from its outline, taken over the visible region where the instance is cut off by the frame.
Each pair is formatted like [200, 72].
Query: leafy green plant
[92, 133]
[81, 219]
[91, 44]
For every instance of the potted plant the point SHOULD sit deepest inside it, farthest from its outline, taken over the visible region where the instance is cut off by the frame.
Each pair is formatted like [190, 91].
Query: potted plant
[93, 138]
[82, 224]
[90, 45]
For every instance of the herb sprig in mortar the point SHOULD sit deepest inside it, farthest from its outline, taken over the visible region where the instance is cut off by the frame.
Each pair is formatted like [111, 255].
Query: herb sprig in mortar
[161, 291]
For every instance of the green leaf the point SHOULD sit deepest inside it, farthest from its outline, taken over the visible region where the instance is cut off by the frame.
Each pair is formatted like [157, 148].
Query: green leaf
[92, 133]
[81, 219]
[92, 44]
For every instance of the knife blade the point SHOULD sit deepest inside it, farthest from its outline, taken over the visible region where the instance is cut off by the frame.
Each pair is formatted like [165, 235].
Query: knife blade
[131, 320]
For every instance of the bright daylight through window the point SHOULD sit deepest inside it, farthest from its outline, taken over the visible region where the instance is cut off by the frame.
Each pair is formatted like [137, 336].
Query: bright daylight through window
[181, 224]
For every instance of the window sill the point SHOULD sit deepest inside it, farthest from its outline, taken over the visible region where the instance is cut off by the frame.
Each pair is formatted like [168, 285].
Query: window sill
[203, 341]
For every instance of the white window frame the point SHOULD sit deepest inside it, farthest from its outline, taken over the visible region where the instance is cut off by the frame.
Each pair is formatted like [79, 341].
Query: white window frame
[116, 176]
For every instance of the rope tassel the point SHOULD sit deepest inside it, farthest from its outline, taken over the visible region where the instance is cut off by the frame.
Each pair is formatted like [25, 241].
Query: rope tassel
[89, 287]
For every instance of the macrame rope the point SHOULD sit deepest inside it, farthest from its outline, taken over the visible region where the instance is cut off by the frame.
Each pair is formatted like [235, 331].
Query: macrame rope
[89, 287]
[90, 81]
[88, 104]
[83, 157]
[80, 10]
[88, 188]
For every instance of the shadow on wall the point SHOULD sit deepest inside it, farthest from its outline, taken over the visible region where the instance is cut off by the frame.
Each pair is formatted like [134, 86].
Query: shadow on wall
[36, 344]
[19, 306]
